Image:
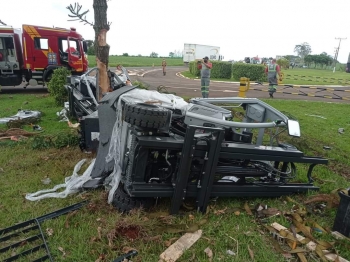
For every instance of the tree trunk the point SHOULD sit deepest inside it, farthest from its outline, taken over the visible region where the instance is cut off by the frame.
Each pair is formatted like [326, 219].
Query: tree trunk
[101, 28]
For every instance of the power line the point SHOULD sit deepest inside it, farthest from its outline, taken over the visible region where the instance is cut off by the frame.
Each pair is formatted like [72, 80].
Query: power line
[337, 51]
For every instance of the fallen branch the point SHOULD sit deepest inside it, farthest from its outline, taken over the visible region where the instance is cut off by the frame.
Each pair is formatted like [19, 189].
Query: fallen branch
[312, 245]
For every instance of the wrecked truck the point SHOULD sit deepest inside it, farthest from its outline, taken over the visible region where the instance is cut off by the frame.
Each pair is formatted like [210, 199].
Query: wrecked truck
[153, 145]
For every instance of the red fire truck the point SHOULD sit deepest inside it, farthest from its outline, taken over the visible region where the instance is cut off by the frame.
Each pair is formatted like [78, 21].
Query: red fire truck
[30, 55]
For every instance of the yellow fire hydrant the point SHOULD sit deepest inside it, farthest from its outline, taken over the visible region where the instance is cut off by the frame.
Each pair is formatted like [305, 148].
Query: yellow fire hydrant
[244, 84]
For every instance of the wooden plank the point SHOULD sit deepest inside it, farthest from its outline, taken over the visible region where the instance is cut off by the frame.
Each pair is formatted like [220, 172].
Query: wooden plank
[312, 245]
[176, 250]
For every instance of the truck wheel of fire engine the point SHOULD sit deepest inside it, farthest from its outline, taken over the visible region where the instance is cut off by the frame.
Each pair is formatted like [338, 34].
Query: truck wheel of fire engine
[145, 115]
[124, 203]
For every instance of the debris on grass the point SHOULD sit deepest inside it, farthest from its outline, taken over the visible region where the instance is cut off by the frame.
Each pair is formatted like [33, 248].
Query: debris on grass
[62, 251]
[251, 253]
[49, 231]
[319, 246]
[247, 209]
[46, 180]
[175, 251]
[209, 253]
[316, 116]
[341, 130]
[230, 252]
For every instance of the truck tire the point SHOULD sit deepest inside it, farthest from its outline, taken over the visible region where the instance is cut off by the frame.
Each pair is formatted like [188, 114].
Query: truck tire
[124, 203]
[145, 115]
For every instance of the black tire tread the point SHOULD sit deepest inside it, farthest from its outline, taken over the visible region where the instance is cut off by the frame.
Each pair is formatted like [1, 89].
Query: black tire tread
[145, 116]
[124, 203]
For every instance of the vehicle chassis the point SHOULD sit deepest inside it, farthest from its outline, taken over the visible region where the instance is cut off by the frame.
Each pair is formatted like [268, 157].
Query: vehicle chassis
[208, 138]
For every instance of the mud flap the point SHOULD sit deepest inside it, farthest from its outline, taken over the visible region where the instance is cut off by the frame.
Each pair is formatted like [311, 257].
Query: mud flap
[107, 117]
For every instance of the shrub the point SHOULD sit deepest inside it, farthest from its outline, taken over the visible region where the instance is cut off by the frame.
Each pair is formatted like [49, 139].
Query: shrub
[220, 69]
[193, 68]
[56, 85]
[254, 72]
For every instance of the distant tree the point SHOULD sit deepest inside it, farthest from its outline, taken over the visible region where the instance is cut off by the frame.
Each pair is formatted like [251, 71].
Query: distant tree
[89, 43]
[125, 54]
[153, 54]
[171, 54]
[283, 63]
[139, 55]
[303, 49]
[91, 50]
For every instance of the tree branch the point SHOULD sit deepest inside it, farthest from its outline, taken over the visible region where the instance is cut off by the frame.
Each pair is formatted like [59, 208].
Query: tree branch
[1, 22]
[77, 15]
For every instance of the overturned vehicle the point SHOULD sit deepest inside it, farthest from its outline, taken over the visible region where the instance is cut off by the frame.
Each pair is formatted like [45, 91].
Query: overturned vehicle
[153, 145]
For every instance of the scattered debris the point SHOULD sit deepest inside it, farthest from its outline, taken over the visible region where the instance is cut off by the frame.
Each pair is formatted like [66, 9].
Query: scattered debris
[22, 114]
[320, 247]
[37, 128]
[316, 116]
[76, 125]
[62, 250]
[209, 253]
[176, 250]
[15, 134]
[247, 209]
[1, 170]
[341, 130]
[49, 231]
[62, 115]
[126, 257]
[251, 253]
[327, 147]
[46, 181]
[230, 252]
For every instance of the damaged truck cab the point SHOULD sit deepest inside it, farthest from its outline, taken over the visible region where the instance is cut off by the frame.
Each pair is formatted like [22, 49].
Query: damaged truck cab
[30, 55]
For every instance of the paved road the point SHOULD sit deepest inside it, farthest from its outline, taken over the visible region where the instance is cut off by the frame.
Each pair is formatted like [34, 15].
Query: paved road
[191, 88]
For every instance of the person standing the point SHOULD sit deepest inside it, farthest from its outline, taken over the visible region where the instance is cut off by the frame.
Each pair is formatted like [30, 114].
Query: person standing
[205, 68]
[272, 70]
[164, 67]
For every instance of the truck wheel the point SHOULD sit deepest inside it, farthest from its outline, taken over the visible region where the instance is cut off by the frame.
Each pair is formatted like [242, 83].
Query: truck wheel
[145, 115]
[124, 203]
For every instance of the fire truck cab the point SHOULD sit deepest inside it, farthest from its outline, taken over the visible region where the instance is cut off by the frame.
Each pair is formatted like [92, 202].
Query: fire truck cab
[30, 55]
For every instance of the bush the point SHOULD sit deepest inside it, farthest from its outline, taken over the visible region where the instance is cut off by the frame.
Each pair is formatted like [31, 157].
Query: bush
[254, 72]
[56, 85]
[283, 63]
[193, 68]
[220, 69]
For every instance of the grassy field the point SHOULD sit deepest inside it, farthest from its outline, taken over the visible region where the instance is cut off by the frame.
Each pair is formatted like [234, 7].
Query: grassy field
[84, 235]
[305, 76]
[134, 61]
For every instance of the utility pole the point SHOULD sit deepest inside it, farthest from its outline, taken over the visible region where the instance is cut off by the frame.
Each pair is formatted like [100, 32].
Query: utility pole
[337, 52]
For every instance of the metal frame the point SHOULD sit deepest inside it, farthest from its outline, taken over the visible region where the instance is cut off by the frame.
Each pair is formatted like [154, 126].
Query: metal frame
[17, 230]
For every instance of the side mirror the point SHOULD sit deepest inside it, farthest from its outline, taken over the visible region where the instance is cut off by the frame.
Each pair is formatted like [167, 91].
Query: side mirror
[293, 128]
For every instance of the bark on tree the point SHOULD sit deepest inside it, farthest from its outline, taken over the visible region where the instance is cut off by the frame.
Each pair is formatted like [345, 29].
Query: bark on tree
[101, 27]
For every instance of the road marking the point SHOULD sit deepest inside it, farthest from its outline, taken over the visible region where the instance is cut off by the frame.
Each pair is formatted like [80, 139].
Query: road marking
[195, 89]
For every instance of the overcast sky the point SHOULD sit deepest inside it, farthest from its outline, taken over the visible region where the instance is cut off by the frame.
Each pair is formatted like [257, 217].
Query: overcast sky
[240, 27]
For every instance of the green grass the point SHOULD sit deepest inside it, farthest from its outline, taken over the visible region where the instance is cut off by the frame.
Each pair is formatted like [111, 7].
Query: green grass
[134, 61]
[303, 76]
[24, 168]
